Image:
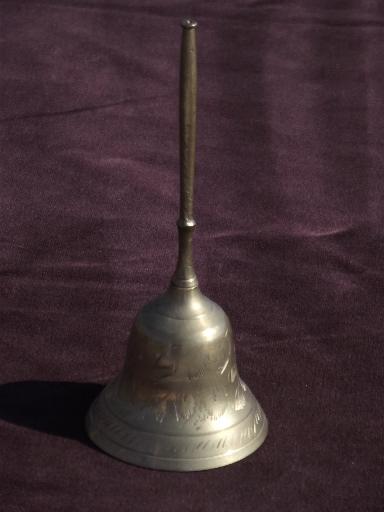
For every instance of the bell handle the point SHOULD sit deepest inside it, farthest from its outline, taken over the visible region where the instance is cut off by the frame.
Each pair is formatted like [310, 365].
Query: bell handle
[188, 92]
[185, 276]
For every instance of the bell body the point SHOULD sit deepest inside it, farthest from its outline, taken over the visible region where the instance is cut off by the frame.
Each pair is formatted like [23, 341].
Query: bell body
[179, 403]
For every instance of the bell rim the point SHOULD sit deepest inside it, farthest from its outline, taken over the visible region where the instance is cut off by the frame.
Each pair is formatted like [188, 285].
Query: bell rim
[123, 453]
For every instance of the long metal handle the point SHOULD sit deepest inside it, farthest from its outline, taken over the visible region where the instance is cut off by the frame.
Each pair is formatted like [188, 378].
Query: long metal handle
[185, 276]
[188, 89]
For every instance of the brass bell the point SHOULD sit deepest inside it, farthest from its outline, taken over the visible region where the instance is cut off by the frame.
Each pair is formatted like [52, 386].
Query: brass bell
[179, 403]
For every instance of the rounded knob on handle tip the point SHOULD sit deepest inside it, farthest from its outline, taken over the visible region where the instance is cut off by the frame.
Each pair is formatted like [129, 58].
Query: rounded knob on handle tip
[189, 23]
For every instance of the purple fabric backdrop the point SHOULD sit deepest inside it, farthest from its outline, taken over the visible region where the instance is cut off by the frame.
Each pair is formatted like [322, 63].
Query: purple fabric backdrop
[290, 239]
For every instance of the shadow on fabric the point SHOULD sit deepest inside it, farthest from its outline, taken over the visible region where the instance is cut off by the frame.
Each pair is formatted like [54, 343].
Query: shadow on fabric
[56, 408]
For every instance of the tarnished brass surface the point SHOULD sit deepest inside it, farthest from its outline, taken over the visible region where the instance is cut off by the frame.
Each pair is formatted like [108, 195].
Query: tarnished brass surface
[179, 403]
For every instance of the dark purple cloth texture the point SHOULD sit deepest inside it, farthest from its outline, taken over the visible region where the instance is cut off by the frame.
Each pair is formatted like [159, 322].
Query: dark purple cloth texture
[289, 203]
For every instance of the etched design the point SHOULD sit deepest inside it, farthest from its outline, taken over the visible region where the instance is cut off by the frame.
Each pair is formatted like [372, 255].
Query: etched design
[106, 424]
